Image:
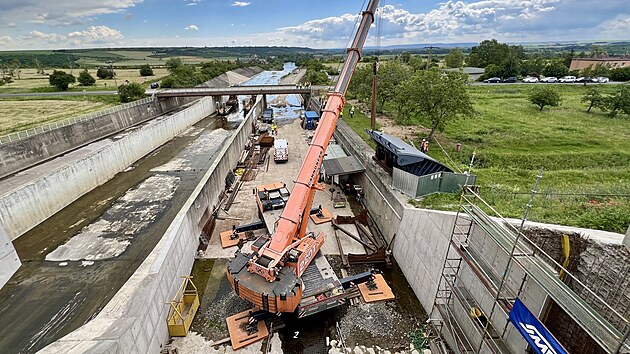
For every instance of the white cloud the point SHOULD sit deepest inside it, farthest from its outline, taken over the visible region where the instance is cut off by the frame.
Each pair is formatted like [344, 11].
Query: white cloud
[192, 28]
[192, 2]
[6, 40]
[60, 12]
[93, 35]
[241, 3]
[96, 34]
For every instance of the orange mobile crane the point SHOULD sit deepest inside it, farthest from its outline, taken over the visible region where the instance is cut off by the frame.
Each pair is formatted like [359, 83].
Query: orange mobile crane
[270, 276]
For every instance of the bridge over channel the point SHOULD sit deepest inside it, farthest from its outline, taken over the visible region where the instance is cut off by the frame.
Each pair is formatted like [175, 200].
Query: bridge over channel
[239, 90]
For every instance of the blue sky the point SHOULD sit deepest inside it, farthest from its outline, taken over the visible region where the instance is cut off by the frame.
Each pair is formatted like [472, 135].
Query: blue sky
[43, 24]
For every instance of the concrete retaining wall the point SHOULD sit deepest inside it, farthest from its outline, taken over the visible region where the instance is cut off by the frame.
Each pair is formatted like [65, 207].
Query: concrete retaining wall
[25, 152]
[375, 182]
[134, 321]
[9, 260]
[32, 203]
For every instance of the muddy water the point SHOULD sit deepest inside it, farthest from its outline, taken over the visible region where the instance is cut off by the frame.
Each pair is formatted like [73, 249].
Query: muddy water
[44, 301]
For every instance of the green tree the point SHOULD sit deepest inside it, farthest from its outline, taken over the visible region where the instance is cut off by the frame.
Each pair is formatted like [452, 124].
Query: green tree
[544, 96]
[555, 69]
[619, 101]
[131, 92]
[454, 58]
[85, 79]
[600, 69]
[361, 83]
[145, 70]
[620, 74]
[390, 75]
[61, 80]
[405, 57]
[105, 73]
[594, 99]
[173, 63]
[491, 70]
[488, 52]
[435, 97]
[533, 65]
[417, 63]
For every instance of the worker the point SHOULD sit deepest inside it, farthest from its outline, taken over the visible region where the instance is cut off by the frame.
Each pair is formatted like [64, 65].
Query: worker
[341, 114]
[274, 129]
[351, 112]
[476, 314]
[424, 146]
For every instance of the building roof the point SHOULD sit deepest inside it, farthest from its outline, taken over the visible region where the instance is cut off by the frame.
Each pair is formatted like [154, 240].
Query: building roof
[407, 157]
[406, 154]
[334, 151]
[468, 70]
[342, 166]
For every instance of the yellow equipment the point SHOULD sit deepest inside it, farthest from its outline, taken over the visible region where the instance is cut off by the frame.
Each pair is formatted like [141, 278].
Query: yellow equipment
[183, 308]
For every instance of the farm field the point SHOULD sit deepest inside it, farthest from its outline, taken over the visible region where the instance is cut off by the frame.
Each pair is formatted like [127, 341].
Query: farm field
[22, 114]
[586, 157]
[30, 81]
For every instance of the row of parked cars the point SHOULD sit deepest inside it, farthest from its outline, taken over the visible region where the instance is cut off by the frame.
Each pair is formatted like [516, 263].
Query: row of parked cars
[551, 79]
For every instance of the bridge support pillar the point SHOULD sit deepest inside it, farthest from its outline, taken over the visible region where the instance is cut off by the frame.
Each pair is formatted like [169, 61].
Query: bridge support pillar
[264, 101]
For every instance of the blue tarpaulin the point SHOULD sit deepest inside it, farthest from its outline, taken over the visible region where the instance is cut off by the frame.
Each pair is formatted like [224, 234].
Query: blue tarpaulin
[534, 332]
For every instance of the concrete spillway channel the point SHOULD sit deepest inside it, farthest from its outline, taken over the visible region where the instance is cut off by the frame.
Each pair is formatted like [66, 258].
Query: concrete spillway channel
[76, 260]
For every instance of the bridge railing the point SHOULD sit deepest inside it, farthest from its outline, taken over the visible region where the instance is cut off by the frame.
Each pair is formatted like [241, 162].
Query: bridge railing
[23, 134]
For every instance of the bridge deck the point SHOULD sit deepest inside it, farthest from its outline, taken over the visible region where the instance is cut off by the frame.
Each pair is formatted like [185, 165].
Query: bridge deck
[238, 90]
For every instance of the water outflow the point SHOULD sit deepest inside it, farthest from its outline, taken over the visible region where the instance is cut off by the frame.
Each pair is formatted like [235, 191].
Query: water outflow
[293, 106]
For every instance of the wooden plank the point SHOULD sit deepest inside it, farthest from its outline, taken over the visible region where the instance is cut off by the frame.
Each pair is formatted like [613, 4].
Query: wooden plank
[344, 257]
[382, 292]
[238, 333]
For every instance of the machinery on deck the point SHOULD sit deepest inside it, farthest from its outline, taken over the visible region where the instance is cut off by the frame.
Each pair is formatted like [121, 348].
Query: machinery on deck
[270, 277]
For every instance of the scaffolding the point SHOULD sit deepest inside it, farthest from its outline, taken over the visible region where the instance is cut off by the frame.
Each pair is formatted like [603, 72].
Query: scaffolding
[487, 264]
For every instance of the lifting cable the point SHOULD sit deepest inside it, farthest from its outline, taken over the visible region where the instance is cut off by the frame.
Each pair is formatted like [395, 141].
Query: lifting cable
[447, 155]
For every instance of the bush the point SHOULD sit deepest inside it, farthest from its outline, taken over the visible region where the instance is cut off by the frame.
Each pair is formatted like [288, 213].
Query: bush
[105, 73]
[145, 70]
[61, 79]
[620, 74]
[131, 92]
[85, 79]
[544, 96]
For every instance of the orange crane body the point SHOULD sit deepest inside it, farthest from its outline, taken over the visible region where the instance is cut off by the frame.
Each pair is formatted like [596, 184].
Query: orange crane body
[281, 260]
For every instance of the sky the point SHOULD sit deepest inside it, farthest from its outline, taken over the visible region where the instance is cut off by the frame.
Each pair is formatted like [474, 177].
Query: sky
[46, 24]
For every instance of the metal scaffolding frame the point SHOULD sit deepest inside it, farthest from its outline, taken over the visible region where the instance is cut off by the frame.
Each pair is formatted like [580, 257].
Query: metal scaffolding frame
[453, 301]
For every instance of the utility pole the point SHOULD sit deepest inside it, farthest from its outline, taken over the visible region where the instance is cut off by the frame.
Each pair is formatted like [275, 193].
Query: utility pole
[373, 112]
[430, 48]
[111, 70]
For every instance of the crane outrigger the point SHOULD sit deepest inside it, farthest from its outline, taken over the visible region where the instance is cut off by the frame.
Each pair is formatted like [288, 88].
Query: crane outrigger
[270, 277]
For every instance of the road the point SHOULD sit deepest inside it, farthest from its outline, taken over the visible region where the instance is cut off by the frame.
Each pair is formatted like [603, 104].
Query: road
[64, 93]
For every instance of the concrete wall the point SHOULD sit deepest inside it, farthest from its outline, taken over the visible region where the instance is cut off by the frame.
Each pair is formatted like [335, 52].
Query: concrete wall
[32, 203]
[35, 149]
[9, 260]
[385, 205]
[134, 321]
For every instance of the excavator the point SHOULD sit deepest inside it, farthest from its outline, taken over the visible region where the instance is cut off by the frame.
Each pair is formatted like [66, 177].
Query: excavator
[270, 276]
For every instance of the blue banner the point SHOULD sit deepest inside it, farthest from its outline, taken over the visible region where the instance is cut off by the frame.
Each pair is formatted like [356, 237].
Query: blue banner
[534, 332]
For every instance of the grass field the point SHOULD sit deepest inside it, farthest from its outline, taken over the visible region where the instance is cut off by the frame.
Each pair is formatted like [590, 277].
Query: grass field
[30, 81]
[586, 157]
[26, 113]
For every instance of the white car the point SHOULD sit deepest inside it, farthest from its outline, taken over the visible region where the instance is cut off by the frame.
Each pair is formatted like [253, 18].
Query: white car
[567, 79]
[550, 79]
[601, 79]
[530, 79]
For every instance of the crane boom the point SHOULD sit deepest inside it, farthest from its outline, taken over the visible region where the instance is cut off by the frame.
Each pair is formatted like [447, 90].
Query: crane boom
[289, 245]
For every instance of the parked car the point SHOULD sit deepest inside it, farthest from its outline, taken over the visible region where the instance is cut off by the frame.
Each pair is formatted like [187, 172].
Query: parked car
[567, 79]
[155, 85]
[509, 80]
[550, 79]
[492, 80]
[530, 79]
[583, 79]
[601, 79]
